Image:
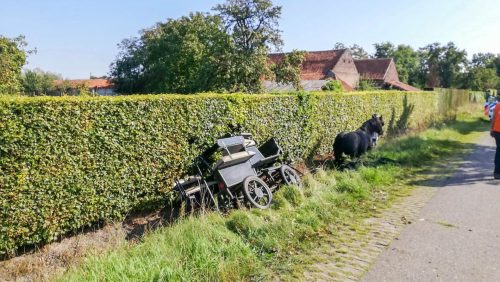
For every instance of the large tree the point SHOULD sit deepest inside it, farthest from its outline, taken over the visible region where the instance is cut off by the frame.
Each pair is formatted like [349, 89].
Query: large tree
[384, 50]
[254, 28]
[453, 66]
[253, 24]
[190, 54]
[405, 58]
[12, 59]
[482, 78]
[37, 82]
[226, 52]
[482, 60]
[443, 65]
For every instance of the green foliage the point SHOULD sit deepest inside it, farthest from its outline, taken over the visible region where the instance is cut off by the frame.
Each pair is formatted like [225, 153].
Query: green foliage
[69, 162]
[288, 70]
[483, 78]
[333, 86]
[275, 244]
[405, 58]
[443, 66]
[437, 65]
[191, 54]
[83, 90]
[12, 59]
[226, 52]
[37, 82]
[358, 52]
[253, 24]
[366, 85]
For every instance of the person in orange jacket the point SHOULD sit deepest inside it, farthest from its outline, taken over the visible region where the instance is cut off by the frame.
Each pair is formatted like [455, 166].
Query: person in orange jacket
[495, 133]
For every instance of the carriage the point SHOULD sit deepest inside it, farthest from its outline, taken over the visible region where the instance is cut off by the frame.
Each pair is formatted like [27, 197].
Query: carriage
[243, 174]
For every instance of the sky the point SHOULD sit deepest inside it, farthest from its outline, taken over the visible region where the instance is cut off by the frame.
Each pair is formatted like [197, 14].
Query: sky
[77, 38]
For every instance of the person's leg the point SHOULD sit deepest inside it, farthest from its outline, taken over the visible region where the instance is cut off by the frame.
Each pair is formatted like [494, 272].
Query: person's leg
[497, 155]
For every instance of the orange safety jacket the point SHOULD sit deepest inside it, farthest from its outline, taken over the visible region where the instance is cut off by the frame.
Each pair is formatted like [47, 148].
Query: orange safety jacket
[495, 124]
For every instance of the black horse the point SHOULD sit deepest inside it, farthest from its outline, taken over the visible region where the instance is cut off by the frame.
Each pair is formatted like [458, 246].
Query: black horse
[355, 144]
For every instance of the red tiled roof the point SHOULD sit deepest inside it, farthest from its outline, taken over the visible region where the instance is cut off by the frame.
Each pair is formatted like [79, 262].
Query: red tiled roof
[91, 83]
[402, 86]
[373, 68]
[317, 65]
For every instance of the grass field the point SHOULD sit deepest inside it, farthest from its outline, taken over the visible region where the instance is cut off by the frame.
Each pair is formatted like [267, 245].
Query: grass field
[261, 245]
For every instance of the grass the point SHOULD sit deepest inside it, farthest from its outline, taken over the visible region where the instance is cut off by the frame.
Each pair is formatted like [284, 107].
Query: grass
[262, 245]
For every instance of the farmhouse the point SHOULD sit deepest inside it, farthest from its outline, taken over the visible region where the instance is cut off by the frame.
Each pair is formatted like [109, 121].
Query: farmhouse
[321, 66]
[97, 86]
[383, 73]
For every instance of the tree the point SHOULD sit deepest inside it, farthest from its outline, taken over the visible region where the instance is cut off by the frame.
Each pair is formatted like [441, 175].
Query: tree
[358, 52]
[254, 28]
[482, 60]
[430, 59]
[453, 66]
[191, 54]
[482, 78]
[407, 64]
[253, 24]
[226, 52]
[384, 50]
[443, 66]
[405, 58]
[37, 82]
[496, 64]
[127, 71]
[288, 69]
[12, 59]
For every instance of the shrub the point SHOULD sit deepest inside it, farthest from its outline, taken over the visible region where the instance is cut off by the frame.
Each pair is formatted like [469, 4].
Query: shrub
[367, 85]
[69, 162]
[333, 85]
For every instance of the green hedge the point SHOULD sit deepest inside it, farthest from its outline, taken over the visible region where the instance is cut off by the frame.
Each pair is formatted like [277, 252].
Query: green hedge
[69, 162]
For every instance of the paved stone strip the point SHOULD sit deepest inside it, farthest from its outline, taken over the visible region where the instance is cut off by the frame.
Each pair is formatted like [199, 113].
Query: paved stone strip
[351, 259]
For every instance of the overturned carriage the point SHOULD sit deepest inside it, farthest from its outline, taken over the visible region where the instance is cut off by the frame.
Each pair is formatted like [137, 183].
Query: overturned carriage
[243, 174]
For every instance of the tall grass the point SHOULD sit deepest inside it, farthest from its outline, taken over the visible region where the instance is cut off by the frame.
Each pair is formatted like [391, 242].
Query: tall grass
[259, 245]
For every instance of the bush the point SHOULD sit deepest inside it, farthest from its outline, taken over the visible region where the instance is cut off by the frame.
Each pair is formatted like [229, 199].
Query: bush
[367, 85]
[69, 162]
[333, 85]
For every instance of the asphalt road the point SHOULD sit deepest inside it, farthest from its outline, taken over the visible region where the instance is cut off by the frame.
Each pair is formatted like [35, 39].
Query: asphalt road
[457, 235]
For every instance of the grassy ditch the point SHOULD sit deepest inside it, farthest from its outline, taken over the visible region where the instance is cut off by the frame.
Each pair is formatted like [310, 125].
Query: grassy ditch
[260, 245]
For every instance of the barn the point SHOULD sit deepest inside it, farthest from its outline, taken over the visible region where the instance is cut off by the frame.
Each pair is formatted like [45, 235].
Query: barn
[320, 66]
[383, 73]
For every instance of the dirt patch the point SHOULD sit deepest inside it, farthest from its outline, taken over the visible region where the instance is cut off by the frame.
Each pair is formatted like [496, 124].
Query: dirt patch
[54, 259]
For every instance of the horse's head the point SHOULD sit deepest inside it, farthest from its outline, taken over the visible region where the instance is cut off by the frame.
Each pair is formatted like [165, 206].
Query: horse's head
[374, 125]
[377, 124]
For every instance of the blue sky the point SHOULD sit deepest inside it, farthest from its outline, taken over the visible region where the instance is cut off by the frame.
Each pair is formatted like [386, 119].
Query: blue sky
[76, 38]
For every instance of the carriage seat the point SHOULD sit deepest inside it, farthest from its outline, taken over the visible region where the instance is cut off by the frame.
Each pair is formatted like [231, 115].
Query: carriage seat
[233, 159]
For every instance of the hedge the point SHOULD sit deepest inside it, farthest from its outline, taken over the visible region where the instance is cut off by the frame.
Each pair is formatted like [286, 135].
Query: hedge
[69, 162]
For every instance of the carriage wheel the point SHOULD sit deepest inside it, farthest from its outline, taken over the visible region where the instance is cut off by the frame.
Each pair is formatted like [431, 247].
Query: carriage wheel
[289, 176]
[257, 192]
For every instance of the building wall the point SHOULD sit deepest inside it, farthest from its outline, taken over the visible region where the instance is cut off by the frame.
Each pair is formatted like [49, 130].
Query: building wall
[392, 73]
[105, 91]
[345, 69]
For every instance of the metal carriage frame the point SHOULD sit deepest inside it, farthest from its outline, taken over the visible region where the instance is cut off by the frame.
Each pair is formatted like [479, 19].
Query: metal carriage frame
[244, 173]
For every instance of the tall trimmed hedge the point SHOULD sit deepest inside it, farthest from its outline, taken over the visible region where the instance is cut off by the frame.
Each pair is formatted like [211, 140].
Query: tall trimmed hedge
[68, 162]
